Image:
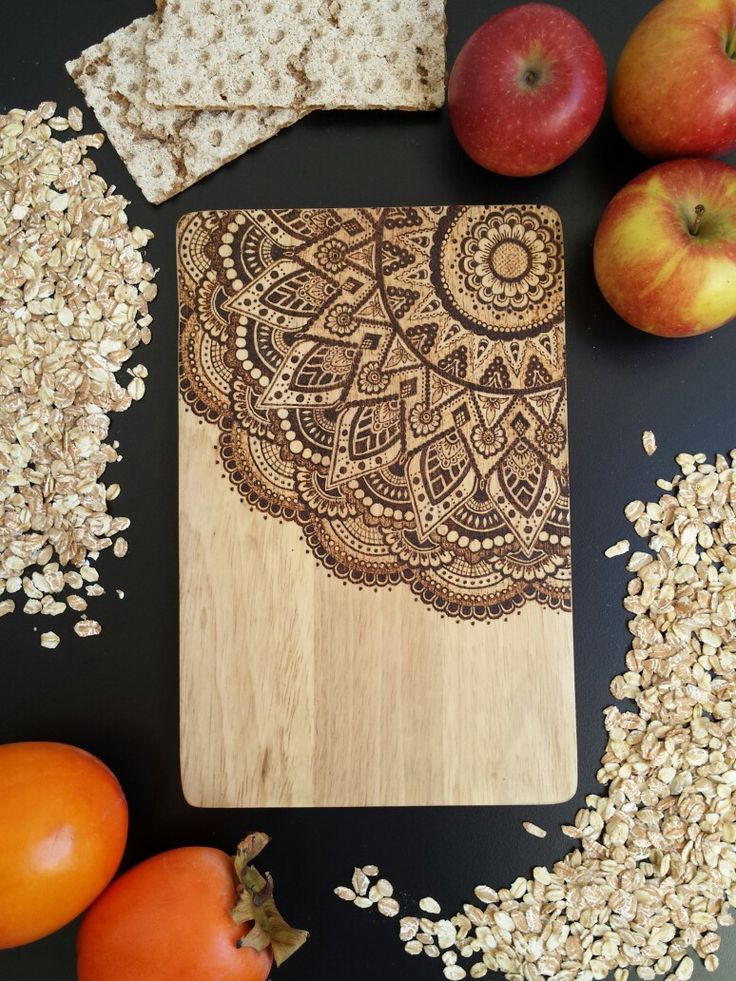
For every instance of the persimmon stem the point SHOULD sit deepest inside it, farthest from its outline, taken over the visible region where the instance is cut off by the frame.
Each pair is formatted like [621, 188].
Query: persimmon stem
[699, 212]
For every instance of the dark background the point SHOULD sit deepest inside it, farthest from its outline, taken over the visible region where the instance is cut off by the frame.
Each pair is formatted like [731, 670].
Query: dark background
[117, 695]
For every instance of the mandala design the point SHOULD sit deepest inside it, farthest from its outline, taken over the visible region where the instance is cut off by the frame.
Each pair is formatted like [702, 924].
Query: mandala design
[394, 381]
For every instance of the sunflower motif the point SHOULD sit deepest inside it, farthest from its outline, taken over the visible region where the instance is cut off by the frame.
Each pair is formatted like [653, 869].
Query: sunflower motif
[371, 380]
[488, 439]
[339, 320]
[424, 420]
[552, 438]
[508, 264]
[332, 255]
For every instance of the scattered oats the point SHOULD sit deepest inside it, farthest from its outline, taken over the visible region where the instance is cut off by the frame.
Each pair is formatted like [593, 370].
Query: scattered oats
[342, 892]
[120, 548]
[649, 442]
[360, 882]
[454, 972]
[112, 492]
[76, 120]
[620, 548]
[541, 875]
[136, 389]
[431, 950]
[121, 593]
[370, 870]
[652, 874]
[6, 606]
[384, 887]
[533, 829]
[429, 905]
[32, 606]
[87, 628]
[388, 906]
[634, 510]
[485, 894]
[684, 970]
[55, 609]
[50, 640]
[78, 603]
[74, 293]
[363, 902]
[89, 573]
[413, 947]
[94, 590]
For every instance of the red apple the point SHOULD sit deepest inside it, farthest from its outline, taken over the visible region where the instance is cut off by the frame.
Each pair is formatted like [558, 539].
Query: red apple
[674, 94]
[527, 90]
[665, 251]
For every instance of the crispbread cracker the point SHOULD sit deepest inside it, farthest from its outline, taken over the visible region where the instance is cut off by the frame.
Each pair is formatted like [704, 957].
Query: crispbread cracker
[165, 150]
[361, 54]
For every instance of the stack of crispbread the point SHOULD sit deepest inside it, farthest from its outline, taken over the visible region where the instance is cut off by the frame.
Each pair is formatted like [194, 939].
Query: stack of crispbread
[199, 82]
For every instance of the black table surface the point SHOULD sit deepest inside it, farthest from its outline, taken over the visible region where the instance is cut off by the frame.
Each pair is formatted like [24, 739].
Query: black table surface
[117, 695]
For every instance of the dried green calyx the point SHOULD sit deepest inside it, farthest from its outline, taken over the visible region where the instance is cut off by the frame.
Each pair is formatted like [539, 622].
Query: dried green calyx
[256, 905]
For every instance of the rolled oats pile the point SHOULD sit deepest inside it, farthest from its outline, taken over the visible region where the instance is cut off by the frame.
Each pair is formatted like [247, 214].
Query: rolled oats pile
[653, 873]
[74, 294]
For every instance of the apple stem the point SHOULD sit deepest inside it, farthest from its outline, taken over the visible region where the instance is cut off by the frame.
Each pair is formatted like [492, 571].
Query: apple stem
[699, 212]
[531, 77]
[731, 46]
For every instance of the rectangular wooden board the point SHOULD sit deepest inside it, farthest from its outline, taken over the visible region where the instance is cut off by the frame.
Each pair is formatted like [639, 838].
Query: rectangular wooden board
[375, 601]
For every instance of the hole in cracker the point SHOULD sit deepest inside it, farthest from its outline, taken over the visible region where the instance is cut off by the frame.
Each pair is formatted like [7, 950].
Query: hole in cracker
[216, 138]
[278, 36]
[173, 58]
[157, 170]
[267, 9]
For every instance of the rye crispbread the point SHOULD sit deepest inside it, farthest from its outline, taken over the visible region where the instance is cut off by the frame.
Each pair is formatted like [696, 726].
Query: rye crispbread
[165, 150]
[341, 54]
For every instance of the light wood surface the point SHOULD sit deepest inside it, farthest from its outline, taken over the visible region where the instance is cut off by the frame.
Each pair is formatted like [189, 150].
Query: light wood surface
[299, 690]
[390, 624]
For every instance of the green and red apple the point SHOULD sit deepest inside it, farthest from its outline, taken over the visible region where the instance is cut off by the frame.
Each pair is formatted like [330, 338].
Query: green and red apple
[665, 250]
[527, 90]
[674, 94]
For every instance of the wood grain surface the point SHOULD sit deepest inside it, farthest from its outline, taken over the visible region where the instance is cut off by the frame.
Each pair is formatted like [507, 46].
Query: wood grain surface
[297, 689]
[426, 656]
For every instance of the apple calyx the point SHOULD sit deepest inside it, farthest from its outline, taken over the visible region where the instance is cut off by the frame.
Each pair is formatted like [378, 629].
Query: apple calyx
[256, 905]
[698, 220]
[731, 46]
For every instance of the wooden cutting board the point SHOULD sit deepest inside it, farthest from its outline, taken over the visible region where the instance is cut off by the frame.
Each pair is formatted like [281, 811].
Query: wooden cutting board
[374, 508]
